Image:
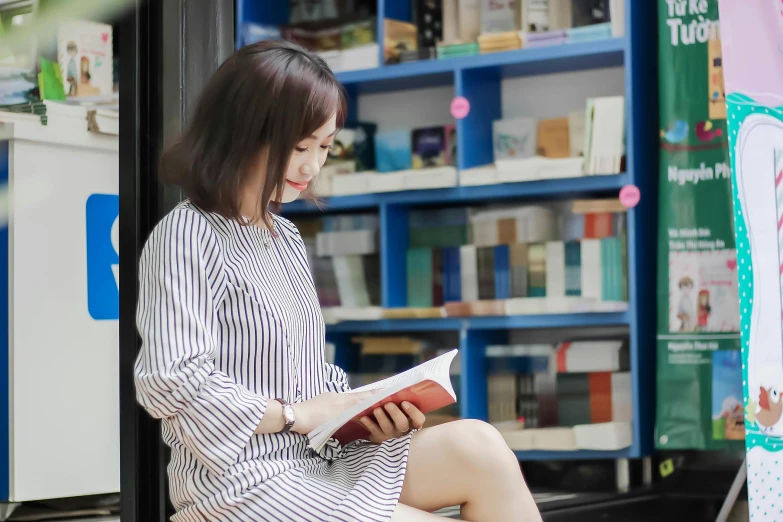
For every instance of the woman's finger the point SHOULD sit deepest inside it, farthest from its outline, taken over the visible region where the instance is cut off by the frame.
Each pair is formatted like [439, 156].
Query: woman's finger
[372, 427]
[383, 421]
[399, 418]
[414, 414]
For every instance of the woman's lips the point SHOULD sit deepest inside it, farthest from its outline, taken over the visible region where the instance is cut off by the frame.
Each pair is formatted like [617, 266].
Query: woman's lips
[298, 186]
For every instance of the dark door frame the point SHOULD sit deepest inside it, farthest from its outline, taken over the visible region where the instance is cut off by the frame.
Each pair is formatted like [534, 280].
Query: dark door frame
[168, 48]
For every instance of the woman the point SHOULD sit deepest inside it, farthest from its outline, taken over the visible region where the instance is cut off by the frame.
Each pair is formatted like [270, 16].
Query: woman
[232, 356]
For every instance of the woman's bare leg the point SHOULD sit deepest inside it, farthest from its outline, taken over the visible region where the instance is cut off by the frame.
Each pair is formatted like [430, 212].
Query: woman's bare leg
[403, 513]
[467, 463]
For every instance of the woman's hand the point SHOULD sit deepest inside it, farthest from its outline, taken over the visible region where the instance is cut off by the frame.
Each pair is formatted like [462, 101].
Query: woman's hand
[391, 422]
[313, 412]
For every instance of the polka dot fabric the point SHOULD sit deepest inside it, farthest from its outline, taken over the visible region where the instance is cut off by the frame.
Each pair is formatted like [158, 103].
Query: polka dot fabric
[764, 457]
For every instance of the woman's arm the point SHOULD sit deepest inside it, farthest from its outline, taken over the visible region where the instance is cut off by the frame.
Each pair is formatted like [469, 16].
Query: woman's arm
[181, 283]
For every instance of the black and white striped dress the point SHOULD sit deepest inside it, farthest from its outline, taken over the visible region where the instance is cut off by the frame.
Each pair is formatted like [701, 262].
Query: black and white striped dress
[229, 319]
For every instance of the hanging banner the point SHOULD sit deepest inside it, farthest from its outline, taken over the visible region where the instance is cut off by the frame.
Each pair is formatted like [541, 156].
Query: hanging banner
[753, 62]
[699, 383]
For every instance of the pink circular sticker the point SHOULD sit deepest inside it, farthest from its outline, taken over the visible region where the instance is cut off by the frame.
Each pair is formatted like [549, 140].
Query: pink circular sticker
[630, 196]
[460, 107]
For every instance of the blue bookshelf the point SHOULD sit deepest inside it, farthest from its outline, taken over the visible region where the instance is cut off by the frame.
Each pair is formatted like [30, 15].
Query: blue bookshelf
[479, 79]
[512, 322]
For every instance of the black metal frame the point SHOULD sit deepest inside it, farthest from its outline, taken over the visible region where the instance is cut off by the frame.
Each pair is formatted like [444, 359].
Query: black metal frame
[168, 48]
[143, 478]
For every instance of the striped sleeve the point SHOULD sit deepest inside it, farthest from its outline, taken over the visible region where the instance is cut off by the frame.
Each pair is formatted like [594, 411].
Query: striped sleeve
[336, 379]
[181, 283]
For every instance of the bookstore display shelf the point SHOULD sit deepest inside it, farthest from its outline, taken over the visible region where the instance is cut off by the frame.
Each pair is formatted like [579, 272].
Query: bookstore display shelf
[542, 60]
[481, 80]
[554, 188]
[522, 322]
[573, 455]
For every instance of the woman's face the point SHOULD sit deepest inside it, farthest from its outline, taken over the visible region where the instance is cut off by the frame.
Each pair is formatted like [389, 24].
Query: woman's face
[307, 159]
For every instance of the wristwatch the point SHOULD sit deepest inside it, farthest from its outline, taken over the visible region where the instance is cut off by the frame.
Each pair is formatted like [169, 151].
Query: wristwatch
[288, 415]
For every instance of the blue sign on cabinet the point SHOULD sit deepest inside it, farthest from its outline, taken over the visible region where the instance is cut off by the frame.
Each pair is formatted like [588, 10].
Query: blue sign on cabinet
[103, 296]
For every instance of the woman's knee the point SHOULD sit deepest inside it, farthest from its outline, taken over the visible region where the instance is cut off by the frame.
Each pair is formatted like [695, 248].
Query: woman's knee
[481, 446]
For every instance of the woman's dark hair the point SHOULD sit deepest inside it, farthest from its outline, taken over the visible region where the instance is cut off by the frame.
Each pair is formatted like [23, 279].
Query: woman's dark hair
[266, 97]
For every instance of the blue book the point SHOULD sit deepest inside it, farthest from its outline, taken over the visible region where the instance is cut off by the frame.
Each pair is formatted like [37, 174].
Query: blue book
[523, 365]
[573, 268]
[502, 275]
[446, 275]
[456, 274]
[393, 151]
[451, 275]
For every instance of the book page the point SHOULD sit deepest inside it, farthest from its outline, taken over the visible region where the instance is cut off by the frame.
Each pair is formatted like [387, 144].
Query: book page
[432, 369]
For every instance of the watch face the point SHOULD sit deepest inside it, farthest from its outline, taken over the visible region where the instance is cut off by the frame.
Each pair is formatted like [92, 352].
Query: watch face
[288, 414]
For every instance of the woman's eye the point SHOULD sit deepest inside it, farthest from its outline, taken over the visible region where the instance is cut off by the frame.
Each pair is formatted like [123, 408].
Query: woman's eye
[326, 147]
[301, 149]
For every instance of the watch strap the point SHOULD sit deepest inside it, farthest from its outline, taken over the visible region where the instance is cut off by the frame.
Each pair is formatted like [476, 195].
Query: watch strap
[288, 422]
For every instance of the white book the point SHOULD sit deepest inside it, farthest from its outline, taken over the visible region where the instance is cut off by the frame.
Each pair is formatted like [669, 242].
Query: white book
[555, 269]
[589, 356]
[605, 436]
[622, 410]
[576, 133]
[54, 108]
[468, 273]
[388, 182]
[560, 15]
[346, 243]
[469, 20]
[426, 386]
[484, 175]
[606, 149]
[351, 285]
[591, 269]
[617, 15]
[519, 350]
[347, 184]
[554, 439]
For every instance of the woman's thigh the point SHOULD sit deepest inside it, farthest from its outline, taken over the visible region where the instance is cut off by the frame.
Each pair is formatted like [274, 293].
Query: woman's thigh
[448, 461]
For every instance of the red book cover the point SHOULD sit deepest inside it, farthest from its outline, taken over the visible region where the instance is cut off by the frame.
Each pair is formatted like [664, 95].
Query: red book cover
[427, 396]
[598, 225]
[562, 352]
[427, 386]
[600, 397]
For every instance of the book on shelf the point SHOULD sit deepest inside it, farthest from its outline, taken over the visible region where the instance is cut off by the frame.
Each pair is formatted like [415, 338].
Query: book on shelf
[427, 386]
[389, 345]
[604, 135]
[84, 52]
[591, 356]
[610, 436]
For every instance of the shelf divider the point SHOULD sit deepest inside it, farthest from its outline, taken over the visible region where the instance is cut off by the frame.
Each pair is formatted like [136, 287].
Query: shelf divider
[394, 246]
[482, 89]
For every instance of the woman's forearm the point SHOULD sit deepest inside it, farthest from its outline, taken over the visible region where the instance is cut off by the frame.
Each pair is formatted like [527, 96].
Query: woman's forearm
[272, 421]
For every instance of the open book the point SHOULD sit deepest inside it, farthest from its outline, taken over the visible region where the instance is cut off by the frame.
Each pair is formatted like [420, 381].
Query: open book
[426, 386]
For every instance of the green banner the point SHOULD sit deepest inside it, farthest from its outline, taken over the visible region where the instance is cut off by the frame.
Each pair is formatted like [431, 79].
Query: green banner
[699, 372]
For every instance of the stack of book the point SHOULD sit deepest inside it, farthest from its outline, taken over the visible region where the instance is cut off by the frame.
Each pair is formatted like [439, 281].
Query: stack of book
[507, 255]
[545, 39]
[576, 395]
[17, 85]
[343, 256]
[584, 142]
[589, 33]
[496, 42]
[63, 116]
[457, 50]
